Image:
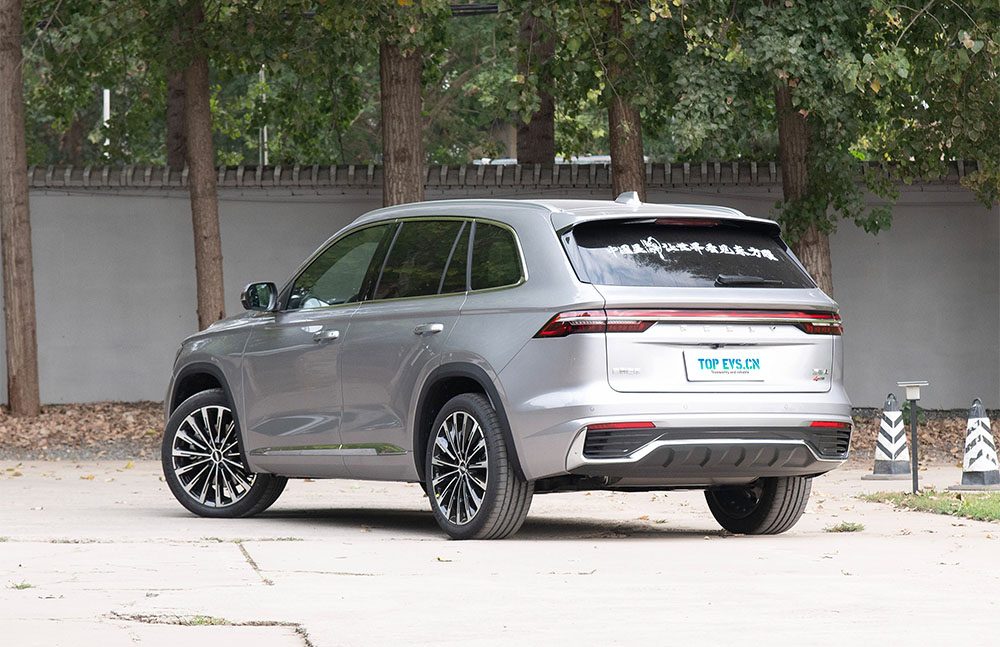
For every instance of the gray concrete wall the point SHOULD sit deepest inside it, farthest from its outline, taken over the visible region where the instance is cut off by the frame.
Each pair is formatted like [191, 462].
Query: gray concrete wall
[115, 284]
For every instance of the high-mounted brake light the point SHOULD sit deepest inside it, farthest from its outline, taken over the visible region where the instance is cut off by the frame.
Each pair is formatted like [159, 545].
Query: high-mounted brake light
[688, 222]
[640, 320]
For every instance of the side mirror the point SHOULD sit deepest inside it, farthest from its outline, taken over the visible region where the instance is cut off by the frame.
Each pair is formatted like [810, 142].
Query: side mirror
[262, 297]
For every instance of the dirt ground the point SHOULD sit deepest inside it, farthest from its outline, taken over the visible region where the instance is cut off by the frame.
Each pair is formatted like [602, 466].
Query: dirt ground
[116, 430]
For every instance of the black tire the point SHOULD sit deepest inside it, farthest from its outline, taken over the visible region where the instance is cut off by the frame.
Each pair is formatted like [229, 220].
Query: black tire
[767, 506]
[203, 463]
[503, 502]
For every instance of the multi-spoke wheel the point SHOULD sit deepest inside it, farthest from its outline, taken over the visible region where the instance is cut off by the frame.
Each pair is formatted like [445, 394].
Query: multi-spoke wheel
[203, 465]
[767, 506]
[474, 490]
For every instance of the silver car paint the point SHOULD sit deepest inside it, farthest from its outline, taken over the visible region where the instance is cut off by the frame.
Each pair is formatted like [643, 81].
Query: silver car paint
[550, 388]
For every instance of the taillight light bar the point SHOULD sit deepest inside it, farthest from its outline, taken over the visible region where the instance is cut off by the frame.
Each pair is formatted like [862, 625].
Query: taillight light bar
[639, 320]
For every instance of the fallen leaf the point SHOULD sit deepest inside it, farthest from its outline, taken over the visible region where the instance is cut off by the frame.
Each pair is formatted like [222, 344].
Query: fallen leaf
[644, 517]
[130, 465]
[89, 477]
[442, 559]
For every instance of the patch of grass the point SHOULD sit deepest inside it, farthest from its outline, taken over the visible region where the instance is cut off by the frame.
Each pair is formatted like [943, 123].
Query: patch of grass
[204, 621]
[22, 586]
[982, 506]
[845, 526]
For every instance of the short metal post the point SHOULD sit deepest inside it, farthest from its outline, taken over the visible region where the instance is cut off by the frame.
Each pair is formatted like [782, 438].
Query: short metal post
[913, 443]
[913, 395]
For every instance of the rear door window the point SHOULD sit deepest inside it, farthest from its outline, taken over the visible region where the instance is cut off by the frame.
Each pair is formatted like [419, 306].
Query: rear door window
[661, 254]
[417, 260]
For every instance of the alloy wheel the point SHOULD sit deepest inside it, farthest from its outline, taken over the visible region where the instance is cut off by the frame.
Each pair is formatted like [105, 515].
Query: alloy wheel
[206, 458]
[459, 471]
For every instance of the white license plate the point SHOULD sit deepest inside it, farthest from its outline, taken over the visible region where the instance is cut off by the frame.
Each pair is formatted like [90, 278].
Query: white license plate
[723, 366]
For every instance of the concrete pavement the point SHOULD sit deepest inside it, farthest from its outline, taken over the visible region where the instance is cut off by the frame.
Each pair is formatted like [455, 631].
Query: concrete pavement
[100, 554]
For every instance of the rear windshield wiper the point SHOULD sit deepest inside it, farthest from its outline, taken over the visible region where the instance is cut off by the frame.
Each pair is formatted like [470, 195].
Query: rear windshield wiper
[738, 280]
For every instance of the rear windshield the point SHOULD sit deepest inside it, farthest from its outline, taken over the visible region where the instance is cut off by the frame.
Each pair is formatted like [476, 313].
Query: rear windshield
[659, 254]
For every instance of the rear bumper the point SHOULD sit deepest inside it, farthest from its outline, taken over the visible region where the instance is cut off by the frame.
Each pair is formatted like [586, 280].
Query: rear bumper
[681, 459]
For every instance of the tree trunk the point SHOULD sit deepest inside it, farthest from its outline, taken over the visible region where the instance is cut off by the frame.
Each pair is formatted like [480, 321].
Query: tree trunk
[536, 140]
[812, 246]
[71, 144]
[402, 133]
[625, 132]
[813, 249]
[624, 125]
[201, 180]
[176, 139]
[15, 223]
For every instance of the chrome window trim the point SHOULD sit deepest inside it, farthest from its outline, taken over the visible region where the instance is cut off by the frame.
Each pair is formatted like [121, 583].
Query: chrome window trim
[286, 290]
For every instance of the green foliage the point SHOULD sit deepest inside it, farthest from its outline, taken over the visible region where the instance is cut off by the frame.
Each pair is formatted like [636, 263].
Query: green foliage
[980, 506]
[941, 90]
[876, 81]
[921, 418]
[845, 526]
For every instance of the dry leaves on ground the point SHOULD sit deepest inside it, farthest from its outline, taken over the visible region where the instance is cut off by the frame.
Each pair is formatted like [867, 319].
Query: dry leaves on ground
[91, 426]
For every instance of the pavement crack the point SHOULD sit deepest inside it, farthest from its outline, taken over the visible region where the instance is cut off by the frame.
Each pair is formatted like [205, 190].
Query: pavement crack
[206, 621]
[253, 564]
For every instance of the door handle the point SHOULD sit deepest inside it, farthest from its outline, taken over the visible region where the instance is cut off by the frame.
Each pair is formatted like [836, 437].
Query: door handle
[428, 329]
[325, 336]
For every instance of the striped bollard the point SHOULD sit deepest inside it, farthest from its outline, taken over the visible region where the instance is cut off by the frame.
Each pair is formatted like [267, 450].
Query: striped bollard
[892, 457]
[979, 467]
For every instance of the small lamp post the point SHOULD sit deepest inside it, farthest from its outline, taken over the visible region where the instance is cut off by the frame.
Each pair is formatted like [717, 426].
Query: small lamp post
[913, 395]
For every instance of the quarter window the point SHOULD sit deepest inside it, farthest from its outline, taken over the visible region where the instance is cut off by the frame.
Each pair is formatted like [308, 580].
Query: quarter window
[495, 260]
[338, 274]
[418, 258]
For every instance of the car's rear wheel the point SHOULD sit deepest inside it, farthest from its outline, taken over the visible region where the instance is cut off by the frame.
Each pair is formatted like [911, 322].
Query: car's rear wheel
[474, 489]
[767, 506]
[203, 464]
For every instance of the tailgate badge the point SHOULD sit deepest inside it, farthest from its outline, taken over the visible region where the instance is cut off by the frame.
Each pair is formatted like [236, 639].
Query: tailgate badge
[625, 371]
[820, 374]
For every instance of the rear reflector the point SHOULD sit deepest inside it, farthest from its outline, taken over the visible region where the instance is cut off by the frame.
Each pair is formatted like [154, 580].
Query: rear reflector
[640, 320]
[620, 425]
[831, 424]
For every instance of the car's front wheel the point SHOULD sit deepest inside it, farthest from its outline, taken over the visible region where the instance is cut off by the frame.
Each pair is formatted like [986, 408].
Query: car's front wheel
[767, 506]
[203, 464]
[474, 489]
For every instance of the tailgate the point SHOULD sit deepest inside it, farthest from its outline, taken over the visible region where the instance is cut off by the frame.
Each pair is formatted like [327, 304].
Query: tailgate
[700, 350]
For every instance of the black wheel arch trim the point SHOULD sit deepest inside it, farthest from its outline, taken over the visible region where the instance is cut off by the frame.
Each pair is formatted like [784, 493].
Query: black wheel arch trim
[220, 377]
[478, 375]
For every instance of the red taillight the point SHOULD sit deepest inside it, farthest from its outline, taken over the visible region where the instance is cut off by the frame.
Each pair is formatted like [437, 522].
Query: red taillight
[621, 425]
[830, 424]
[827, 325]
[581, 321]
[568, 323]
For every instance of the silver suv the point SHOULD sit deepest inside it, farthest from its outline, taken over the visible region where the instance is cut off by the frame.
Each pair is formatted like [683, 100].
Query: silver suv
[493, 349]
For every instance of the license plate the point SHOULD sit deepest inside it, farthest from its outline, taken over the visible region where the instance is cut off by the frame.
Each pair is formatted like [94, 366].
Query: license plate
[723, 366]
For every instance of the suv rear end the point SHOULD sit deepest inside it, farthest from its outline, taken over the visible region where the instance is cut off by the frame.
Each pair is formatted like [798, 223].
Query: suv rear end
[708, 358]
